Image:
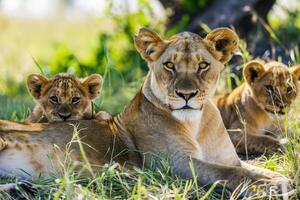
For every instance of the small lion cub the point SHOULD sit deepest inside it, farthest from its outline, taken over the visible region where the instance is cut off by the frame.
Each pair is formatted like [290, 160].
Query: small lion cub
[64, 97]
[259, 105]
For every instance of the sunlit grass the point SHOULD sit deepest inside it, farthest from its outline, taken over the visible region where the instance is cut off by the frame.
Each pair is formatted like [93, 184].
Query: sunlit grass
[113, 181]
[15, 108]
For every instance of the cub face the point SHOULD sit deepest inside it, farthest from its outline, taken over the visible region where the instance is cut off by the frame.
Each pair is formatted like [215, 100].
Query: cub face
[64, 97]
[274, 86]
[184, 68]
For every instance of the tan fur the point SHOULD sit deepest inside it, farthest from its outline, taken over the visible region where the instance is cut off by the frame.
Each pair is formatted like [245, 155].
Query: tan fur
[250, 110]
[158, 121]
[65, 88]
[3, 144]
[43, 150]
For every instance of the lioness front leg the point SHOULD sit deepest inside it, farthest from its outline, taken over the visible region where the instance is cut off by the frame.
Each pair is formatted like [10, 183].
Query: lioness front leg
[208, 173]
[254, 144]
[266, 172]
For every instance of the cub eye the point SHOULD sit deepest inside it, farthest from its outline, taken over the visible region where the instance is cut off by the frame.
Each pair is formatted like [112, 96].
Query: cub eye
[270, 88]
[75, 100]
[289, 90]
[203, 65]
[54, 99]
[169, 66]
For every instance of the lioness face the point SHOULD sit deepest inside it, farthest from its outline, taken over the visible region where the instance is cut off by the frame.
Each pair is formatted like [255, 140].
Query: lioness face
[274, 86]
[185, 73]
[64, 97]
[185, 68]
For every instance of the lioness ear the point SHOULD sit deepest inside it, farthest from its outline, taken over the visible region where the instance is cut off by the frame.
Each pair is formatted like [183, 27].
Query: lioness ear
[93, 83]
[253, 70]
[222, 42]
[35, 83]
[149, 44]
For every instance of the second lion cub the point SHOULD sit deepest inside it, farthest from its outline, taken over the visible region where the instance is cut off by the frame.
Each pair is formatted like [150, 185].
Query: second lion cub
[64, 97]
[259, 105]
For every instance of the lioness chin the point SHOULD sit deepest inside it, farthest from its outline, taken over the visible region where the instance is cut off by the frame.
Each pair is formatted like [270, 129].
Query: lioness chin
[173, 114]
[256, 109]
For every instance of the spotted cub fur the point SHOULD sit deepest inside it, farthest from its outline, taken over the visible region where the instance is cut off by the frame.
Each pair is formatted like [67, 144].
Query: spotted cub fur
[64, 97]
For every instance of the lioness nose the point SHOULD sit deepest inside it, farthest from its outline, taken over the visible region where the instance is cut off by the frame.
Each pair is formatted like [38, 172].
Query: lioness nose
[186, 96]
[64, 116]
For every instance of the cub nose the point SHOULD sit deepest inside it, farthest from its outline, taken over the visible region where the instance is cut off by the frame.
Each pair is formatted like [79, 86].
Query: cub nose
[64, 116]
[282, 106]
[186, 95]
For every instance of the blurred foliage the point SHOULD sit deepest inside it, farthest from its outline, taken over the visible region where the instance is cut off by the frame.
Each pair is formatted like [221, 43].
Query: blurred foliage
[189, 9]
[287, 28]
[192, 7]
[114, 57]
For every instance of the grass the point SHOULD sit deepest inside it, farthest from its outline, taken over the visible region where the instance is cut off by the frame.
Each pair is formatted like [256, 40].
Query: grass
[114, 182]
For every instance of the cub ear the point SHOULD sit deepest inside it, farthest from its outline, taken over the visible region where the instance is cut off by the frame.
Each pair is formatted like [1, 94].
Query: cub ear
[149, 44]
[296, 71]
[35, 83]
[222, 42]
[93, 83]
[253, 70]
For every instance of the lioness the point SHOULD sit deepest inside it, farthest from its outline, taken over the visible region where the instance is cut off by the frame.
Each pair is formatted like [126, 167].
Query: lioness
[173, 114]
[63, 97]
[258, 105]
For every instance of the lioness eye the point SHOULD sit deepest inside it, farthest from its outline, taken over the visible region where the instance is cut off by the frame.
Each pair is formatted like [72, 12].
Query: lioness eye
[54, 99]
[203, 65]
[169, 66]
[75, 100]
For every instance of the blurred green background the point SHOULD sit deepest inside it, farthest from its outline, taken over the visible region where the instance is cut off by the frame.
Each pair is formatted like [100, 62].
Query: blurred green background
[96, 36]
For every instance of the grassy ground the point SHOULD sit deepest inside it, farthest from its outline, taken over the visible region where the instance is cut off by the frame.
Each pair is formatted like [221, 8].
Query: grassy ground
[111, 181]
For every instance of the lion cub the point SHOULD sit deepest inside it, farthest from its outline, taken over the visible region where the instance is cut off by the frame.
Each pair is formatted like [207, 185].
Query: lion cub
[64, 97]
[259, 105]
